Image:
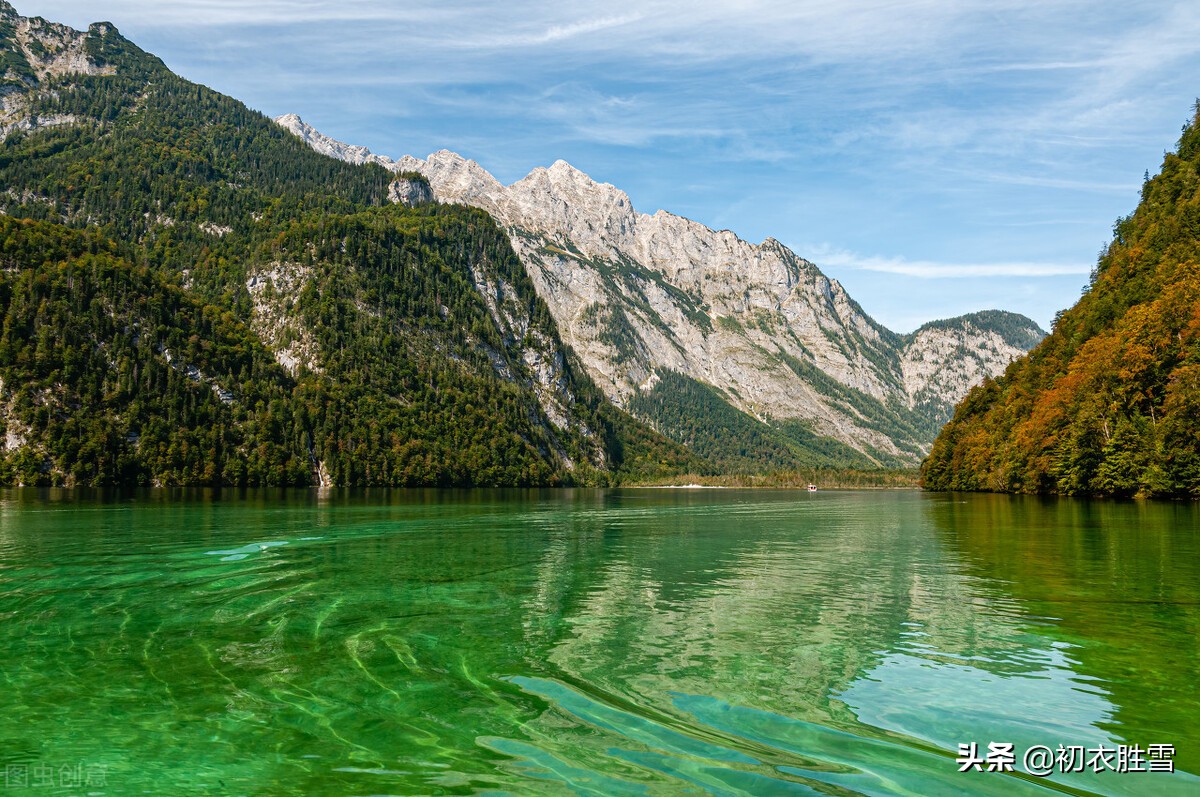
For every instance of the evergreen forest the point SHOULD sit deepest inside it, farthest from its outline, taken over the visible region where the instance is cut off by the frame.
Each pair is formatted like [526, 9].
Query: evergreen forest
[155, 233]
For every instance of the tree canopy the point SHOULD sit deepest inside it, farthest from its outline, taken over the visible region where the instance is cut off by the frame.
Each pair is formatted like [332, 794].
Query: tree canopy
[1109, 403]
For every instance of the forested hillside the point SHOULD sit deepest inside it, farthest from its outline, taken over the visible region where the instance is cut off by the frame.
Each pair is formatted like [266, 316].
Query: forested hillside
[694, 413]
[1109, 403]
[665, 313]
[190, 295]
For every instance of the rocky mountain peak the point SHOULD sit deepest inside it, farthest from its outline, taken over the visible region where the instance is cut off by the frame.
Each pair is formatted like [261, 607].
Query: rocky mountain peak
[639, 295]
[456, 179]
[36, 50]
[566, 177]
[959, 352]
[560, 166]
[563, 201]
[329, 146]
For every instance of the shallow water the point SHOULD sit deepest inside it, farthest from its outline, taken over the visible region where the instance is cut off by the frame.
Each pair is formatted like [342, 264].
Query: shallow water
[589, 642]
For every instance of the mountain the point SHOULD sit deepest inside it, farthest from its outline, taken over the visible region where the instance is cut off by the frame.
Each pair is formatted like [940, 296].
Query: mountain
[190, 295]
[193, 295]
[942, 360]
[647, 300]
[1109, 403]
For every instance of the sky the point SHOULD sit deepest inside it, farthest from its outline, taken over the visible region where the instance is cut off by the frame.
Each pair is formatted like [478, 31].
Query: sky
[935, 156]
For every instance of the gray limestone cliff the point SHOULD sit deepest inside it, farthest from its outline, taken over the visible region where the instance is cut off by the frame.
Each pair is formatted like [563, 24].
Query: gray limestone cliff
[944, 359]
[40, 51]
[411, 190]
[636, 295]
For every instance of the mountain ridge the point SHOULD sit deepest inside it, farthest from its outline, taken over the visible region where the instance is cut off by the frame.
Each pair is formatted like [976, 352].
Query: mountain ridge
[635, 294]
[366, 343]
[190, 295]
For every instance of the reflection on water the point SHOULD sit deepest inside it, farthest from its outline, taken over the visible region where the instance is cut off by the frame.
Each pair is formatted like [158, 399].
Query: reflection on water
[589, 642]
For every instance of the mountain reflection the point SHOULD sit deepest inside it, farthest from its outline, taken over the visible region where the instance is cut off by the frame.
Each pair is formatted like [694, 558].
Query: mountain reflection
[941, 619]
[1117, 581]
[593, 642]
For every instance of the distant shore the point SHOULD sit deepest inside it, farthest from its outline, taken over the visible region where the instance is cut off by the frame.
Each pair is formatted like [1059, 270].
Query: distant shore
[823, 479]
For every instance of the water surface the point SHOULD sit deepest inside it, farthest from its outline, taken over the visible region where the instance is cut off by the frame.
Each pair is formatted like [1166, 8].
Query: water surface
[637, 642]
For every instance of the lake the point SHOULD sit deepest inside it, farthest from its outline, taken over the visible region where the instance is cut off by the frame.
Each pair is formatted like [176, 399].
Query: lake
[593, 642]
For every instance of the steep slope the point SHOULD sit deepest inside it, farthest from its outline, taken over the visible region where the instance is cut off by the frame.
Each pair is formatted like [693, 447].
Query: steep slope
[239, 309]
[1109, 403]
[638, 296]
[948, 357]
[112, 375]
[35, 51]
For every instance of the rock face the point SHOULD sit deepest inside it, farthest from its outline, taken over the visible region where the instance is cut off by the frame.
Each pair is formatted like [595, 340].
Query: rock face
[40, 50]
[411, 190]
[948, 358]
[272, 290]
[636, 294]
[331, 147]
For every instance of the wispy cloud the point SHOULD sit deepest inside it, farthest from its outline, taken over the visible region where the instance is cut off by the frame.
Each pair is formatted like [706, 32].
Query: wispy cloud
[636, 119]
[926, 269]
[825, 30]
[212, 13]
[1012, 130]
[554, 32]
[1043, 181]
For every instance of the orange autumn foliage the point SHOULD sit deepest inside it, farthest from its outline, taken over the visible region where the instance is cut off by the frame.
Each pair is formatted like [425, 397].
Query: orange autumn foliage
[1109, 403]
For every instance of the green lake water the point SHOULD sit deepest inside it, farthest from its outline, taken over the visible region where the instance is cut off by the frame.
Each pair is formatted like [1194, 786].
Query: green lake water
[642, 642]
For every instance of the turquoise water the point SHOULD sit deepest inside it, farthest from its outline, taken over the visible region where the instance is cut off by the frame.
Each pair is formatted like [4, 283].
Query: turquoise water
[588, 642]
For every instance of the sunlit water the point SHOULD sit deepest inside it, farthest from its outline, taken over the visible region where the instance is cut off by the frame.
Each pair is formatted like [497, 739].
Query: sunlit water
[583, 642]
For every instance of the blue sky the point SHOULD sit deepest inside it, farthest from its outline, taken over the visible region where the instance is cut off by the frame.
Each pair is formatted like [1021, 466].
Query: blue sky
[937, 157]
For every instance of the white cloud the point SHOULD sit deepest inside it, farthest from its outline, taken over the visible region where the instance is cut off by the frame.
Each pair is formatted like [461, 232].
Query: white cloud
[208, 13]
[1042, 181]
[825, 30]
[926, 269]
[556, 32]
[881, 123]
